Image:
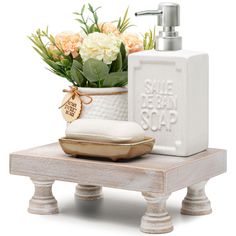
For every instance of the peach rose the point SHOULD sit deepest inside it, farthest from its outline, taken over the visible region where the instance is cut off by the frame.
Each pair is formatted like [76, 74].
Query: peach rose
[132, 43]
[108, 27]
[69, 43]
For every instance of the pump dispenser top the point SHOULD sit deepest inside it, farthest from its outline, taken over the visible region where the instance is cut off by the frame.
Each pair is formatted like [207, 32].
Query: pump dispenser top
[168, 89]
[168, 16]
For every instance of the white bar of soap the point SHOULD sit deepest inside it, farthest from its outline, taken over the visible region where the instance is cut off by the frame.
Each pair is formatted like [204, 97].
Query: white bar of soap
[105, 131]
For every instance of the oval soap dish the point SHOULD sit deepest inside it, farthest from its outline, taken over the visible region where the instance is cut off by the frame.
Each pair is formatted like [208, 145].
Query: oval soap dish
[113, 151]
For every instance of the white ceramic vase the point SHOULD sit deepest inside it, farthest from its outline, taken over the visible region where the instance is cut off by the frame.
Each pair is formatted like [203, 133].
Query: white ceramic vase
[107, 104]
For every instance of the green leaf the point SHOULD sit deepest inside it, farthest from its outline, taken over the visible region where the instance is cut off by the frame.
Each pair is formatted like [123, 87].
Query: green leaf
[82, 10]
[116, 65]
[40, 53]
[85, 31]
[92, 29]
[59, 66]
[56, 72]
[119, 23]
[65, 62]
[90, 7]
[77, 13]
[125, 64]
[97, 9]
[116, 79]
[80, 21]
[95, 17]
[124, 58]
[76, 75]
[53, 64]
[56, 52]
[123, 51]
[124, 23]
[149, 39]
[77, 64]
[121, 63]
[95, 70]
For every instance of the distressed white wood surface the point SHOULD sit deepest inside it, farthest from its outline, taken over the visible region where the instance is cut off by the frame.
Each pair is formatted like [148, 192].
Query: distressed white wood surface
[149, 173]
[88, 192]
[156, 219]
[43, 201]
[156, 176]
[196, 202]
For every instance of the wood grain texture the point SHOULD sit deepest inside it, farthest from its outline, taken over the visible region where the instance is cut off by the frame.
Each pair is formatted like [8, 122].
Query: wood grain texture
[88, 192]
[156, 219]
[196, 202]
[197, 168]
[43, 201]
[149, 173]
[156, 176]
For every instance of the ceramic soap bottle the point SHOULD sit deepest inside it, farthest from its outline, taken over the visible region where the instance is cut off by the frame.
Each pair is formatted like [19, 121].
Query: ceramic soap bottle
[168, 89]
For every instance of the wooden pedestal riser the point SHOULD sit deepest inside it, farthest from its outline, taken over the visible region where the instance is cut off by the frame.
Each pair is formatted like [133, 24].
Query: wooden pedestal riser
[156, 176]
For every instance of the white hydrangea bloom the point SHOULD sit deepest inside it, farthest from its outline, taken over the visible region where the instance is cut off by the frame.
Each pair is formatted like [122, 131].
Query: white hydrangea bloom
[100, 46]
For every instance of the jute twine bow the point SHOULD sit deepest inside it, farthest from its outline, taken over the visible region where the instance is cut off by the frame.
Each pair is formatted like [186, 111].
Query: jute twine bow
[75, 92]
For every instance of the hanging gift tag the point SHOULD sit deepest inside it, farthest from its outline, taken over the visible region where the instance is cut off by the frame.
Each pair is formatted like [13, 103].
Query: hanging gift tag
[71, 107]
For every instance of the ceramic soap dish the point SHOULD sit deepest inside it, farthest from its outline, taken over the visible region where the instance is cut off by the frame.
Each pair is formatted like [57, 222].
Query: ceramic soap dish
[113, 151]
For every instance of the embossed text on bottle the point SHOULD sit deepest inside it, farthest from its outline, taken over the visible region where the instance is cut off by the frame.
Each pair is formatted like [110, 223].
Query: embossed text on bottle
[158, 105]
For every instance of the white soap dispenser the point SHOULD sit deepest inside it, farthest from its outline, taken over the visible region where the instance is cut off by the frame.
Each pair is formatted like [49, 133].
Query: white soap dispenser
[168, 90]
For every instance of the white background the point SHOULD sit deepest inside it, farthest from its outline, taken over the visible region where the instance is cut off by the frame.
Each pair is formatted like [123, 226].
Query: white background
[30, 96]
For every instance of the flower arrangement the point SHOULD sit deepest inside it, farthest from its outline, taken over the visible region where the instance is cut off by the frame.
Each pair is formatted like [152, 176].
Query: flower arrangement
[95, 57]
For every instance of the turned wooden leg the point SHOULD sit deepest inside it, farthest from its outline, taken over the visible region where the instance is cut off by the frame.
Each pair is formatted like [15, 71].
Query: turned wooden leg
[43, 201]
[156, 219]
[196, 201]
[88, 192]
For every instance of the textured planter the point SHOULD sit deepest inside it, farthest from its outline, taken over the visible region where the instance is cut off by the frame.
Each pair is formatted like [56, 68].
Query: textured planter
[108, 103]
